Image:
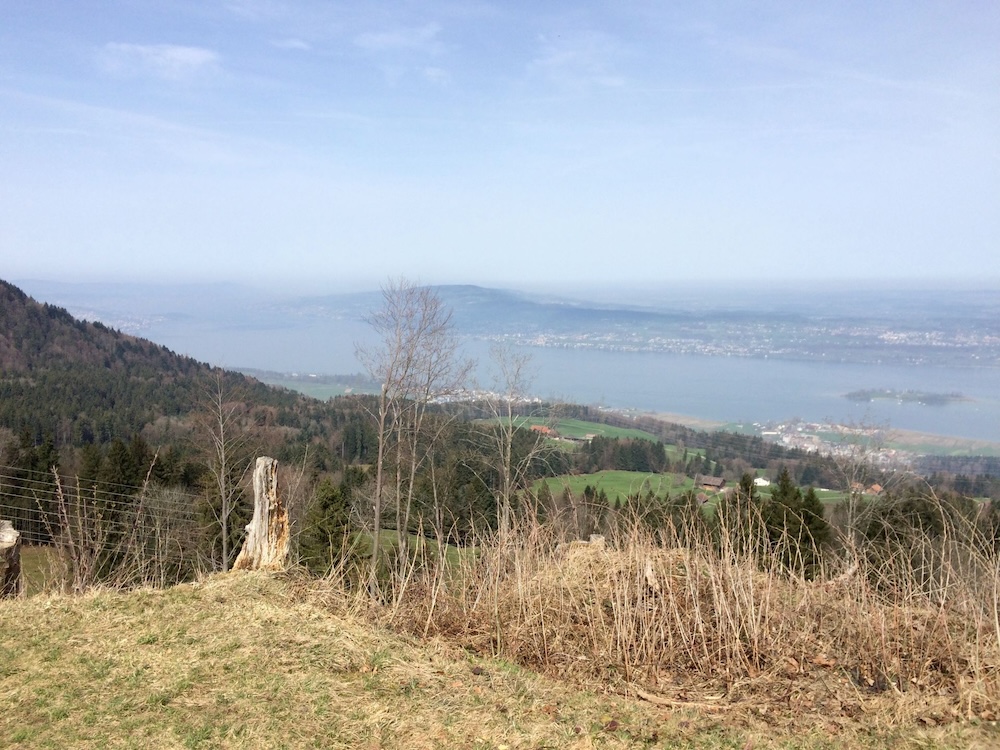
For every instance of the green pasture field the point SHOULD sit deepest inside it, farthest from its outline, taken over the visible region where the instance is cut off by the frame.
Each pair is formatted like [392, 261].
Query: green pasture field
[320, 387]
[389, 541]
[578, 429]
[319, 391]
[675, 452]
[827, 497]
[37, 574]
[831, 497]
[933, 445]
[624, 483]
[620, 483]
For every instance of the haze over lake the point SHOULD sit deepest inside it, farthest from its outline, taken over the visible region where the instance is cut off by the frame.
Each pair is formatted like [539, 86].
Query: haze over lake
[727, 389]
[228, 327]
[735, 389]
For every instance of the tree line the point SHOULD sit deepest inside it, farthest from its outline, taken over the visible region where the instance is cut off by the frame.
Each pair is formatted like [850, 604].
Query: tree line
[373, 472]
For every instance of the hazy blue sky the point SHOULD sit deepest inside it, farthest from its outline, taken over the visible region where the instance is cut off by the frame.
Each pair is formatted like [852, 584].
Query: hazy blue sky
[500, 143]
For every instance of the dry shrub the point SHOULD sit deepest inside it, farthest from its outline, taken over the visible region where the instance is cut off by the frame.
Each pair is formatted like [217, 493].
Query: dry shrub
[120, 542]
[641, 612]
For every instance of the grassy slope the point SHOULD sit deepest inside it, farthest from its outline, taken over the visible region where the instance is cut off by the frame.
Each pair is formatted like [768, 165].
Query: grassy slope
[620, 483]
[624, 483]
[579, 429]
[321, 388]
[266, 662]
[250, 661]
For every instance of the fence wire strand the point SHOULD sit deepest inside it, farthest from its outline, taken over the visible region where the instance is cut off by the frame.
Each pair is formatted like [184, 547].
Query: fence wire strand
[148, 525]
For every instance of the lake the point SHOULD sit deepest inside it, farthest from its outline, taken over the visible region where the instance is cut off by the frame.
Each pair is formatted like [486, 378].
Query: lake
[726, 389]
[225, 325]
[735, 389]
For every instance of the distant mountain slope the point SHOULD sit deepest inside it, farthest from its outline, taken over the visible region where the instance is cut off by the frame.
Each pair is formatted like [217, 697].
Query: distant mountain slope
[482, 310]
[224, 323]
[84, 382]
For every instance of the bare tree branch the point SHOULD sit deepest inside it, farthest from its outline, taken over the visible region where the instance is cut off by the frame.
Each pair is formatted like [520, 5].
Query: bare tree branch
[416, 361]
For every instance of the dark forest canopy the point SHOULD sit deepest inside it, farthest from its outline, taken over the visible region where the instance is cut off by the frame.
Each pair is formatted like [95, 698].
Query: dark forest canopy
[82, 382]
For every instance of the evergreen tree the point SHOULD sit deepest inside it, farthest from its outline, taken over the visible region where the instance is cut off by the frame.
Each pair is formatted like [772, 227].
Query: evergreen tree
[543, 499]
[739, 523]
[796, 527]
[326, 535]
[28, 491]
[119, 470]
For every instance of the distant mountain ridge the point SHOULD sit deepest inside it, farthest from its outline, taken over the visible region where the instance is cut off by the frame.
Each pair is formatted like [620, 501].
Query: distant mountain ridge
[485, 310]
[810, 323]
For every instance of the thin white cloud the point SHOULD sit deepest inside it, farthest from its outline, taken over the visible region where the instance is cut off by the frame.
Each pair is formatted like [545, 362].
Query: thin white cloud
[341, 116]
[292, 44]
[579, 60]
[257, 10]
[439, 76]
[170, 62]
[423, 39]
[126, 132]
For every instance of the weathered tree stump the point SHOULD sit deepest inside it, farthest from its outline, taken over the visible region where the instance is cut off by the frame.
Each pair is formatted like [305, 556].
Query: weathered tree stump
[10, 561]
[267, 541]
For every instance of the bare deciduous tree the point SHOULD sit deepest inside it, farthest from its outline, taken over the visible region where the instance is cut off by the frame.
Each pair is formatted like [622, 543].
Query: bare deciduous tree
[415, 358]
[505, 403]
[226, 442]
[861, 458]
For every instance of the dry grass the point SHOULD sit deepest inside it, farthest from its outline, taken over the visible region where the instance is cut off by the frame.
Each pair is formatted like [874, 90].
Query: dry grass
[884, 644]
[526, 642]
[257, 661]
[247, 660]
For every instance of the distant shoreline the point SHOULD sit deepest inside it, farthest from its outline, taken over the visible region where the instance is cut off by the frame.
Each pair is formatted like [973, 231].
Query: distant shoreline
[324, 386]
[911, 441]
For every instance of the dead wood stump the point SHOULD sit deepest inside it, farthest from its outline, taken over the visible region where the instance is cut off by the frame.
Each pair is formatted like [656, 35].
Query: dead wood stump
[267, 541]
[10, 561]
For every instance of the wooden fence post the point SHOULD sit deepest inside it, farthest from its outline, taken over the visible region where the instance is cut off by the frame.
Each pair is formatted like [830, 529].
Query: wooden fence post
[10, 561]
[267, 542]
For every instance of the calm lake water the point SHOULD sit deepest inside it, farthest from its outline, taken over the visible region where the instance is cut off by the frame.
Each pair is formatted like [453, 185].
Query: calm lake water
[728, 389]
[758, 390]
[224, 325]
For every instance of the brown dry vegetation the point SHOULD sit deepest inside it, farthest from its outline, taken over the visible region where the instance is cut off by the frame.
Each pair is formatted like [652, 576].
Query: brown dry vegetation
[895, 641]
[263, 661]
[525, 642]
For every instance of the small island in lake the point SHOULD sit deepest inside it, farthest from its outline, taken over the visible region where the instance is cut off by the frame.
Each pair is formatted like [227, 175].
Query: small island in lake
[919, 397]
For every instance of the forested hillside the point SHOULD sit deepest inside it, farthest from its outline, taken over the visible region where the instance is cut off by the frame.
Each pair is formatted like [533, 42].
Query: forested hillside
[107, 410]
[78, 382]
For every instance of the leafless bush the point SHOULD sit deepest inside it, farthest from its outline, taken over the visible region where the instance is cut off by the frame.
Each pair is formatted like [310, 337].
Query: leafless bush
[120, 541]
[645, 611]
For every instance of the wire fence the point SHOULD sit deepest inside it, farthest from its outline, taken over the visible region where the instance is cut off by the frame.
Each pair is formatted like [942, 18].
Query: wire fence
[28, 499]
[106, 532]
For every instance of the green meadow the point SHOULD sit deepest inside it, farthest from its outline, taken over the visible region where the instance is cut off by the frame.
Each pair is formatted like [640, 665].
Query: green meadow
[620, 484]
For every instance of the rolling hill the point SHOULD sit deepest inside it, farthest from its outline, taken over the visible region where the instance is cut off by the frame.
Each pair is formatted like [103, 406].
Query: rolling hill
[261, 661]
[83, 382]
